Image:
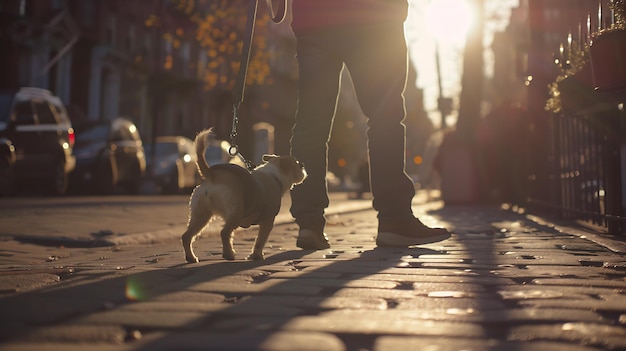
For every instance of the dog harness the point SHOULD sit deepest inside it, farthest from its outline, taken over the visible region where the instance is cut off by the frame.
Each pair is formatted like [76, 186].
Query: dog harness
[258, 204]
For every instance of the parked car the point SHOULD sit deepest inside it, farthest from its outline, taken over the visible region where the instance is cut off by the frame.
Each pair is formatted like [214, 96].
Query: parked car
[109, 157]
[175, 167]
[7, 167]
[217, 152]
[35, 122]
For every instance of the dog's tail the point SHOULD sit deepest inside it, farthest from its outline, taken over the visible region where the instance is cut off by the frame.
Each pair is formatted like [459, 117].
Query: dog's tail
[201, 145]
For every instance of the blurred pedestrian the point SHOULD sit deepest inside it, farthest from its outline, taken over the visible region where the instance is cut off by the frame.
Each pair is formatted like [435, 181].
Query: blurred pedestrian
[367, 37]
[503, 139]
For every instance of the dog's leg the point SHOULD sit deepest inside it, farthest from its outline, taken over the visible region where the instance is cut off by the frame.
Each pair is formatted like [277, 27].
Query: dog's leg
[265, 227]
[197, 221]
[228, 252]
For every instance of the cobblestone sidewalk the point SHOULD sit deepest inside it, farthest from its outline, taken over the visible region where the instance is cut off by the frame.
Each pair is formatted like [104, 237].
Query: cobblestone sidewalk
[502, 282]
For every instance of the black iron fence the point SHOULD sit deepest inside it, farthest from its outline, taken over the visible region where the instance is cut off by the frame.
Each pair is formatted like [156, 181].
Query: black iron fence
[587, 172]
[578, 156]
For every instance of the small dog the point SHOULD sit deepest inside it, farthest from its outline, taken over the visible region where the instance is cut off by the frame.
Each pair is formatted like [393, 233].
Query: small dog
[241, 198]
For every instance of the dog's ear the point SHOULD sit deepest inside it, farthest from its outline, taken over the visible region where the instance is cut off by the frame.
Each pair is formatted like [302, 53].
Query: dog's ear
[267, 157]
[289, 165]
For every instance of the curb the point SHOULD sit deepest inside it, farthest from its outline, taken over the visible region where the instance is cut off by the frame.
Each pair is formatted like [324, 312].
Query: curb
[174, 233]
[608, 241]
[171, 233]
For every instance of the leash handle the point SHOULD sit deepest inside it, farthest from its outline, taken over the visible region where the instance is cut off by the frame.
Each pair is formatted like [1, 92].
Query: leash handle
[282, 11]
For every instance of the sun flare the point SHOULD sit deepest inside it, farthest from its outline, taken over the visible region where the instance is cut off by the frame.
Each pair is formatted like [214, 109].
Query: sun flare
[449, 21]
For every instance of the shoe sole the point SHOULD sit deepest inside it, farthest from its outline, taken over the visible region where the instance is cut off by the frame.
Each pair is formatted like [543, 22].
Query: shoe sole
[395, 240]
[312, 243]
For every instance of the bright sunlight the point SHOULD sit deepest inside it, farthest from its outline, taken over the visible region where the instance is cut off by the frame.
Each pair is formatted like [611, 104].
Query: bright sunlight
[449, 21]
[442, 25]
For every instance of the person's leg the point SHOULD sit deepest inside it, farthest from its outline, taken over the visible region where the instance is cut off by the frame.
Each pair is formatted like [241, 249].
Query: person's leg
[378, 65]
[317, 96]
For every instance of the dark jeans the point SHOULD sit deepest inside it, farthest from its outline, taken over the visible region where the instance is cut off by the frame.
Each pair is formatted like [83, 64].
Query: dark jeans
[376, 56]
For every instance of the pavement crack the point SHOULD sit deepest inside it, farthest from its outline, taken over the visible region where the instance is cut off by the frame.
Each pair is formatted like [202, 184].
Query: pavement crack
[391, 304]
[261, 277]
[404, 286]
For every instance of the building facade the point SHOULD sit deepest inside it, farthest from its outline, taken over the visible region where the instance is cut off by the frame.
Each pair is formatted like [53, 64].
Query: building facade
[138, 59]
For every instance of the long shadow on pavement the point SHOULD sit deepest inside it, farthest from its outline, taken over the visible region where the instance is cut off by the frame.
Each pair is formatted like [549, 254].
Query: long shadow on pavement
[349, 298]
[218, 305]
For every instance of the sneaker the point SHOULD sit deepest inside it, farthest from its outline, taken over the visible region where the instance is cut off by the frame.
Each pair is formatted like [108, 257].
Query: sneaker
[311, 240]
[408, 232]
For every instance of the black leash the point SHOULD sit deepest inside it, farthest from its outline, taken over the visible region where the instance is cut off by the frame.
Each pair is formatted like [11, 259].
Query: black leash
[238, 92]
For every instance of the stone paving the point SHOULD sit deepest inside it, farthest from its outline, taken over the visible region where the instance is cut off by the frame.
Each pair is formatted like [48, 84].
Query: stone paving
[502, 282]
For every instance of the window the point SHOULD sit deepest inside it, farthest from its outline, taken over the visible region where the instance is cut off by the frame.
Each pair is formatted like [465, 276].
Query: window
[202, 63]
[125, 133]
[24, 113]
[88, 11]
[6, 101]
[116, 133]
[59, 112]
[147, 46]
[168, 60]
[130, 38]
[57, 4]
[111, 30]
[44, 114]
[185, 53]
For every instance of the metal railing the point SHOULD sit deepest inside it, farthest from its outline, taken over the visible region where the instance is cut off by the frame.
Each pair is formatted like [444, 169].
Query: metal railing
[579, 165]
[587, 172]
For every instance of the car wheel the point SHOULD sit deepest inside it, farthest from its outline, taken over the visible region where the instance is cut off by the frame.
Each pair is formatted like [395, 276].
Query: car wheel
[56, 184]
[132, 186]
[103, 183]
[7, 177]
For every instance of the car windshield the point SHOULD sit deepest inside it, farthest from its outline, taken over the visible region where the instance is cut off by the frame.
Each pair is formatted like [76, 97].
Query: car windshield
[5, 106]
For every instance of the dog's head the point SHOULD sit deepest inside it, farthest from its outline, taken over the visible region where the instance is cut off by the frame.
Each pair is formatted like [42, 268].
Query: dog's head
[288, 166]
